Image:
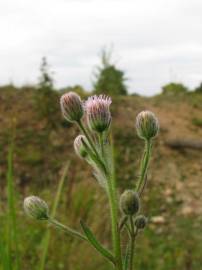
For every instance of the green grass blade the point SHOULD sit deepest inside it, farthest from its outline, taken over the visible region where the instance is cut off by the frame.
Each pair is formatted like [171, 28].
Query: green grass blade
[4, 264]
[46, 239]
[12, 233]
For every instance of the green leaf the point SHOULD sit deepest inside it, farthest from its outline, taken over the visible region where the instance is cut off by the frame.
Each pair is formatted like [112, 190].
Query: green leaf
[91, 238]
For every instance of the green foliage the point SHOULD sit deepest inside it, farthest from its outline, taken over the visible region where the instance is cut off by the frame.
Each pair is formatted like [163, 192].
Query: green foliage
[174, 89]
[199, 88]
[46, 97]
[109, 79]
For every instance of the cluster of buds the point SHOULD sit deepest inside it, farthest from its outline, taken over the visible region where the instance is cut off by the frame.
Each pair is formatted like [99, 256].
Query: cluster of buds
[96, 108]
[92, 146]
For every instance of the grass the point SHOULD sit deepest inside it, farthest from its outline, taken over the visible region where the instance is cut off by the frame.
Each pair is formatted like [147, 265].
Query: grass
[46, 239]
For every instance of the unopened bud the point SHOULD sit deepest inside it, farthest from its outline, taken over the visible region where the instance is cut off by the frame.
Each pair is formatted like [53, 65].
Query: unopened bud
[130, 202]
[140, 222]
[71, 106]
[98, 113]
[36, 208]
[80, 146]
[147, 125]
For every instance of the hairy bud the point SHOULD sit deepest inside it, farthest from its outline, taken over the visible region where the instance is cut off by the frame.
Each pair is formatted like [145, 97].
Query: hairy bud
[71, 106]
[147, 125]
[36, 208]
[98, 113]
[80, 146]
[140, 222]
[129, 202]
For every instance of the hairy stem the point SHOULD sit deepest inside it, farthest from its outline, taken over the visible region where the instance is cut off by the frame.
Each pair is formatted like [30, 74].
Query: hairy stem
[132, 244]
[101, 142]
[144, 165]
[114, 216]
[67, 229]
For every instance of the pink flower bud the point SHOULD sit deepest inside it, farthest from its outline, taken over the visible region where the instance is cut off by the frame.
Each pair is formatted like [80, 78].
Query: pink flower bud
[98, 113]
[147, 125]
[71, 106]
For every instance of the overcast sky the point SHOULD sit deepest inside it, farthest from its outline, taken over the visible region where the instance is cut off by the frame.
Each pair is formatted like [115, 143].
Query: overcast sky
[154, 41]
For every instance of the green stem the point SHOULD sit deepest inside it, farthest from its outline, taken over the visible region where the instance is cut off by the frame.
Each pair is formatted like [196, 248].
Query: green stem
[115, 229]
[114, 217]
[67, 229]
[132, 244]
[101, 144]
[144, 164]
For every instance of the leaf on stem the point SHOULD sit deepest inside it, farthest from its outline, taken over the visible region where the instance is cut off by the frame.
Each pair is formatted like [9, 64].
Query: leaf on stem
[91, 238]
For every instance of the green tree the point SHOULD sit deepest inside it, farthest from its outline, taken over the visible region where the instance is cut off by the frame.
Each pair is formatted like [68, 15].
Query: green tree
[199, 88]
[46, 97]
[173, 89]
[108, 78]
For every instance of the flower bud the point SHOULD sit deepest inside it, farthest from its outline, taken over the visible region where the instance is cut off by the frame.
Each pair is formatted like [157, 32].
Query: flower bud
[98, 113]
[71, 106]
[130, 202]
[80, 146]
[36, 208]
[140, 222]
[147, 125]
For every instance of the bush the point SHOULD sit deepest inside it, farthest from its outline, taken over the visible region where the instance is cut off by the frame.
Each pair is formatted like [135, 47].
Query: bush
[174, 89]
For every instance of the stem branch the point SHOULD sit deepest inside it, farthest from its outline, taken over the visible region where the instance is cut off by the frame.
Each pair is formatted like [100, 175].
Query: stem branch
[67, 229]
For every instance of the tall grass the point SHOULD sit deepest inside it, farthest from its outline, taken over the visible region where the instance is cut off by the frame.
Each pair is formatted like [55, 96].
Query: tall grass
[46, 240]
[9, 242]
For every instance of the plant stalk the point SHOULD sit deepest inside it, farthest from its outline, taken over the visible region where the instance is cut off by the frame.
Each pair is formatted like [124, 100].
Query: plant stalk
[67, 229]
[144, 165]
[114, 216]
[132, 244]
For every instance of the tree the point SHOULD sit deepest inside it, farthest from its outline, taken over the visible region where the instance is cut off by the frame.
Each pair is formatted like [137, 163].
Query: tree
[173, 89]
[199, 88]
[109, 79]
[46, 96]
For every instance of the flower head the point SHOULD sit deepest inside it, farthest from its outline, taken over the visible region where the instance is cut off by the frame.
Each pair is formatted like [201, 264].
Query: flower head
[98, 113]
[80, 146]
[71, 106]
[129, 202]
[36, 208]
[140, 222]
[147, 125]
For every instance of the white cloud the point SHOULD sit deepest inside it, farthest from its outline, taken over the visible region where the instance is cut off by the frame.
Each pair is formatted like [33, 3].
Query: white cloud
[151, 38]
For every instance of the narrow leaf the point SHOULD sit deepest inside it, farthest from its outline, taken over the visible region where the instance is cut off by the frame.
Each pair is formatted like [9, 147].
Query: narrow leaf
[91, 238]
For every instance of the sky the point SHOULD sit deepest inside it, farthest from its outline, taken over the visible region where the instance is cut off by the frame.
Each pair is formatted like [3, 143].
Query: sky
[154, 42]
